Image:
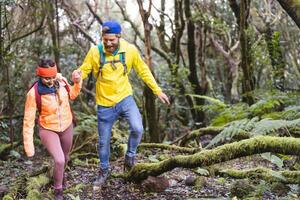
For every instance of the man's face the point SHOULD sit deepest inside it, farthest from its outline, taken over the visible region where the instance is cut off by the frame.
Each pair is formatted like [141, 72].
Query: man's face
[111, 42]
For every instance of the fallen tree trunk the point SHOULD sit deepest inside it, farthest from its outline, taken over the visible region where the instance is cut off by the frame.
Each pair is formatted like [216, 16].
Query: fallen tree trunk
[256, 145]
[287, 177]
[169, 147]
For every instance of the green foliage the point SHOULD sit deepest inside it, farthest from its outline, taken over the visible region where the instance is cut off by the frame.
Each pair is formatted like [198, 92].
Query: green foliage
[85, 123]
[234, 112]
[73, 197]
[236, 129]
[153, 158]
[269, 126]
[241, 188]
[201, 171]
[290, 113]
[266, 106]
[214, 101]
[273, 159]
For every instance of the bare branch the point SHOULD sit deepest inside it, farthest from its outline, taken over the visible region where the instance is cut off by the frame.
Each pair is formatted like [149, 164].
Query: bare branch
[94, 14]
[85, 34]
[40, 26]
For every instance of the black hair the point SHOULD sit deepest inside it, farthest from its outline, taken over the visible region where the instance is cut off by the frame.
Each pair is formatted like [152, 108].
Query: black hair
[46, 63]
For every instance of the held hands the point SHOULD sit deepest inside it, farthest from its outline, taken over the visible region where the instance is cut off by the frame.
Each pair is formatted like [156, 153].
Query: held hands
[59, 77]
[76, 76]
[164, 98]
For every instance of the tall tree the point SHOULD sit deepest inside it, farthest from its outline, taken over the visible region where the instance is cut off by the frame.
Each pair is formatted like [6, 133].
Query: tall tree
[15, 24]
[151, 110]
[51, 7]
[248, 82]
[191, 49]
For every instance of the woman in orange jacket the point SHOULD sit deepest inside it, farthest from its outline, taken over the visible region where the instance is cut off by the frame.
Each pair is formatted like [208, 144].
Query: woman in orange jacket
[50, 97]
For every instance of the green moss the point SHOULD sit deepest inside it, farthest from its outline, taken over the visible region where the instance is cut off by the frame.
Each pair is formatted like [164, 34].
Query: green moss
[37, 182]
[8, 197]
[259, 144]
[291, 177]
[241, 188]
[34, 195]
[200, 182]
[76, 188]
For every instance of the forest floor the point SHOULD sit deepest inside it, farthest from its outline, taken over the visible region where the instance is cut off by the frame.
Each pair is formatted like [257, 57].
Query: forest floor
[80, 175]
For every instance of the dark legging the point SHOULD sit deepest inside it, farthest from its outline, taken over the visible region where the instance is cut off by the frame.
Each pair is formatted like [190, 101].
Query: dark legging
[58, 145]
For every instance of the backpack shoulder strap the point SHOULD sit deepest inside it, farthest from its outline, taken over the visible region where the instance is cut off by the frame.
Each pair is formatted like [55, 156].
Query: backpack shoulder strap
[73, 114]
[123, 61]
[66, 85]
[38, 98]
[102, 59]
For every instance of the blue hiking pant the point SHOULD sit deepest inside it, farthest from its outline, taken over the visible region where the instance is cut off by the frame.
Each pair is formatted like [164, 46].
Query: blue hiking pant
[128, 109]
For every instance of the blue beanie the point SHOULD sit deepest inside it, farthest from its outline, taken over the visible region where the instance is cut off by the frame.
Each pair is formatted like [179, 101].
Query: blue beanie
[114, 27]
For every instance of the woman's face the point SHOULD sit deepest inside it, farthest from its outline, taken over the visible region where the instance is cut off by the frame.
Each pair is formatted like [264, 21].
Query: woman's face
[48, 81]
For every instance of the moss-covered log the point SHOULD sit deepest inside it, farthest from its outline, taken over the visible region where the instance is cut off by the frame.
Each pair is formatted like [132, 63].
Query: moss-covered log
[288, 177]
[168, 147]
[199, 132]
[256, 145]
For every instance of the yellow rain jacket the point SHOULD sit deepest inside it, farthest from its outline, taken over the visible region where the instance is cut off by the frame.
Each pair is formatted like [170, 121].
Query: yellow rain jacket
[113, 86]
[53, 116]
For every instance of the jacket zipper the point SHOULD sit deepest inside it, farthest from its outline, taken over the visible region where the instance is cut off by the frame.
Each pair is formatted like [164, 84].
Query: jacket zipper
[59, 112]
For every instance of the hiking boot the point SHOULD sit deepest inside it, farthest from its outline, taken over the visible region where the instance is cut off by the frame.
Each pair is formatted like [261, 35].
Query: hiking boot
[58, 194]
[102, 177]
[129, 162]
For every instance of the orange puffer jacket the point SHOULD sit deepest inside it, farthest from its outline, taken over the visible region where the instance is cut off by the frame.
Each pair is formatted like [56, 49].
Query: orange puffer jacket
[54, 116]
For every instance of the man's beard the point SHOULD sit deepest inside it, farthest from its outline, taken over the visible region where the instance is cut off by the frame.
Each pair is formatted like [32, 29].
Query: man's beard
[111, 48]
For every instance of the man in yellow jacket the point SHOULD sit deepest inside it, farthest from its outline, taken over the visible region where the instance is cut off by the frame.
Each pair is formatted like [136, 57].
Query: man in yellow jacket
[111, 62]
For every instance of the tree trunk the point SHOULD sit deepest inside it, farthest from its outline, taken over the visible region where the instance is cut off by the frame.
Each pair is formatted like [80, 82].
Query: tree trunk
[252, 146]
[248, 82]
[3, 65]
[292, 7]
[151, 110]
[276, 57]
[193, 78]
[53, 28]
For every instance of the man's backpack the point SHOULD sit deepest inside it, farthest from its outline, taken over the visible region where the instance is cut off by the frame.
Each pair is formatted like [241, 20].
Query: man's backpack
[103, 62]
[38, 98]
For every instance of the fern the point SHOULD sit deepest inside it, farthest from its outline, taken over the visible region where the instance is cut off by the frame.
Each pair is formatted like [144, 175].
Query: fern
[290, 113]
[236, 129]
[266, 106]
[233, 113]
[269, 126]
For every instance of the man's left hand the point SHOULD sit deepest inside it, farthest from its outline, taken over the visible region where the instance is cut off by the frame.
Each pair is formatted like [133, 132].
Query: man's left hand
[164, 98]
